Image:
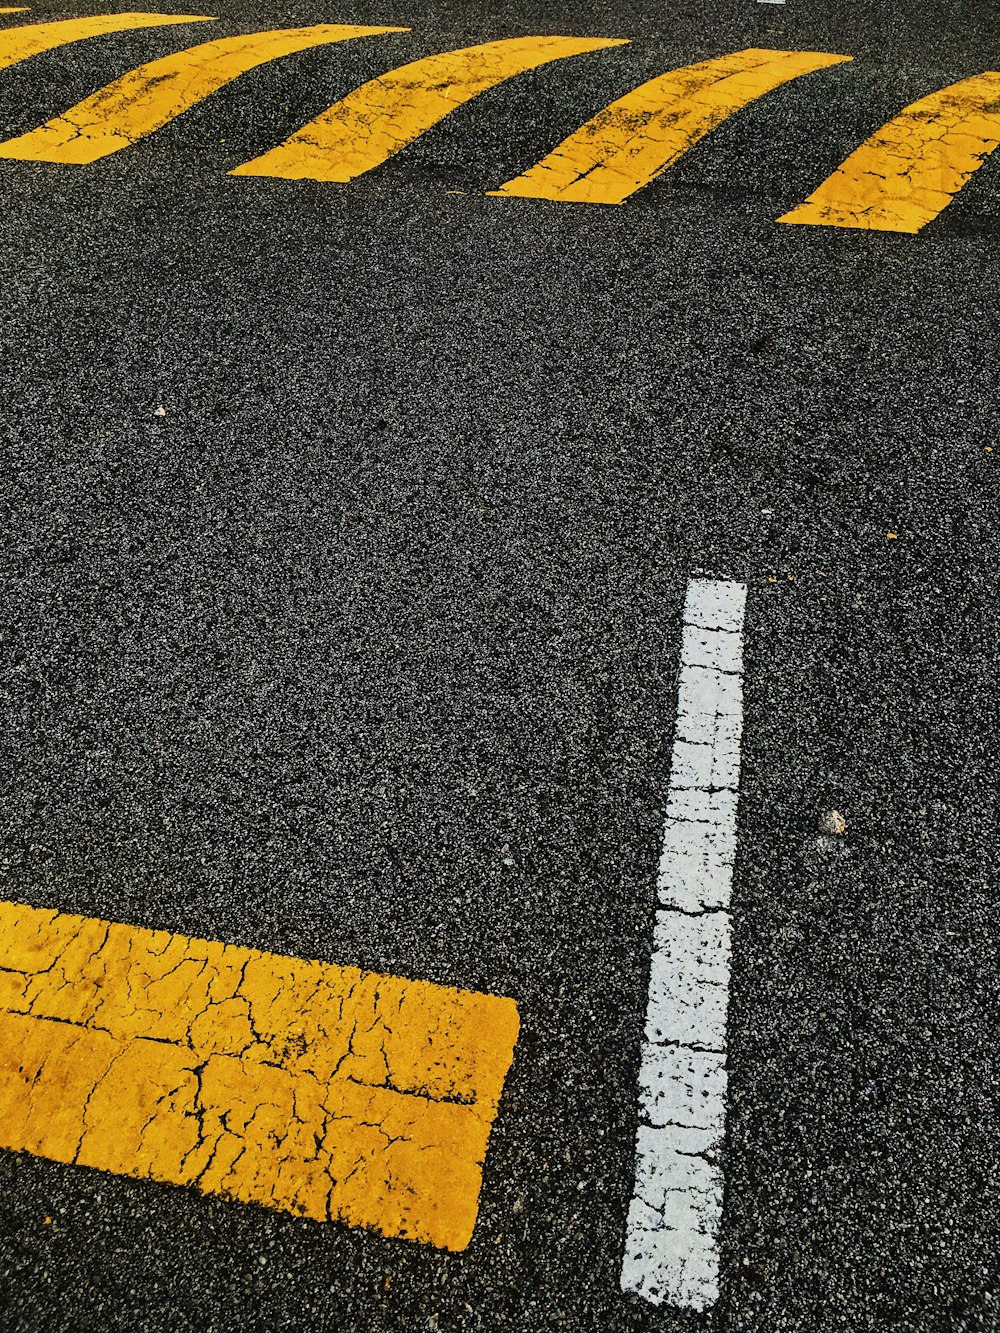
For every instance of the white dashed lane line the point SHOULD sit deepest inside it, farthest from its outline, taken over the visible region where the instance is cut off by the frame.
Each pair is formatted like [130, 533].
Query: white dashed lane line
[671, 1242]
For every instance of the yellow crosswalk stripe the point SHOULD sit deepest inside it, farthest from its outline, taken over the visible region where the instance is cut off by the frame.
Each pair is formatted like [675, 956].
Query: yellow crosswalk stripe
[20, 43]
[908, 171]
[374, 122]
[324, 1091]
[638, 137]
[151, 96]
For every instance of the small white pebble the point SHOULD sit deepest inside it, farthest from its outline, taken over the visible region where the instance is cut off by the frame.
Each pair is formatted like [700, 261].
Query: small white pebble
[160, 412]
[833, 822]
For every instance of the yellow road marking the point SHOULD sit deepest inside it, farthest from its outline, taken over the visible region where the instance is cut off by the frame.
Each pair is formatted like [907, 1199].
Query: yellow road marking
[638, 137]
[17, 44]
[320, 1090]
[908, 171]
[374, 122]
[151, 96]
[16, 9]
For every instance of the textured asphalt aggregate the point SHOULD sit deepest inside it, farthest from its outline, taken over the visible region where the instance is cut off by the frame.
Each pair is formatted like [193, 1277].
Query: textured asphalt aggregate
[366, 650]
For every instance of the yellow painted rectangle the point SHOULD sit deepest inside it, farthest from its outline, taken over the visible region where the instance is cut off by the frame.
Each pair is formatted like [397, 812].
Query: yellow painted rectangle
[317, 1089]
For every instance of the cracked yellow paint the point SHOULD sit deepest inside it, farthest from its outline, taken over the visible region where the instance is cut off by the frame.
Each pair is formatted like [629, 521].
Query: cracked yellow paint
[374, 122]
[320, 1090]
[635, 139]
[908, 171]
[20, 43]
[151, 96]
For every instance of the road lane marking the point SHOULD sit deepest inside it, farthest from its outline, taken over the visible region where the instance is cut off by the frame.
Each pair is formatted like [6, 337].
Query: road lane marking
[908, 171]
[377, 120]
[671, 1243]
[156, 93]
[898, 180]
[635, 139]
[31, 39]
[316, 1089]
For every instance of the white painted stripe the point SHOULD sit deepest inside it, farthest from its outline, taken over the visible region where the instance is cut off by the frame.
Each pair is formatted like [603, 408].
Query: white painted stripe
[672, 1235]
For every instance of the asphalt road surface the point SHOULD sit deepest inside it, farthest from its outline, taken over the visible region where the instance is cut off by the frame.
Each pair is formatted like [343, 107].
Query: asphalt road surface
[348, 528]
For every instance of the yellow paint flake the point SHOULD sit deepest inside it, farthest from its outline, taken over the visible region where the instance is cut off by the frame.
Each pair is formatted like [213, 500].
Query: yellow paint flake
[892, 536]
[316, 1089]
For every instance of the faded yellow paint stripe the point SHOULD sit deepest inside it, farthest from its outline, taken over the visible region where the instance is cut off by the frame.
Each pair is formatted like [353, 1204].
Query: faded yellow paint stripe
[905, 174]
[374, 122]
[15, 9]
[320, 1090]
[638, 137]
[17, 44]
[151, 96]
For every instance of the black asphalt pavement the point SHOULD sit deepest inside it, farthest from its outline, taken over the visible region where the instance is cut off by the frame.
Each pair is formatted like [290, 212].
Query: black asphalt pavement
[365, 648]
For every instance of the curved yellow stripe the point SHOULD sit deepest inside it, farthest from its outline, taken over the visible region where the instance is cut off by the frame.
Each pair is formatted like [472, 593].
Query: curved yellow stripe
[635, 139]
[17, 44]
[905, 174]
[154, 94]
[375, 121]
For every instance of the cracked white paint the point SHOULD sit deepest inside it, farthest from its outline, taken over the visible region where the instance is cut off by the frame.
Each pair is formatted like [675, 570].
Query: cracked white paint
[671, 1242]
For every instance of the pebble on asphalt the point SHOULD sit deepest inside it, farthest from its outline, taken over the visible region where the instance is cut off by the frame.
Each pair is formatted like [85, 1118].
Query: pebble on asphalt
[832, 822]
